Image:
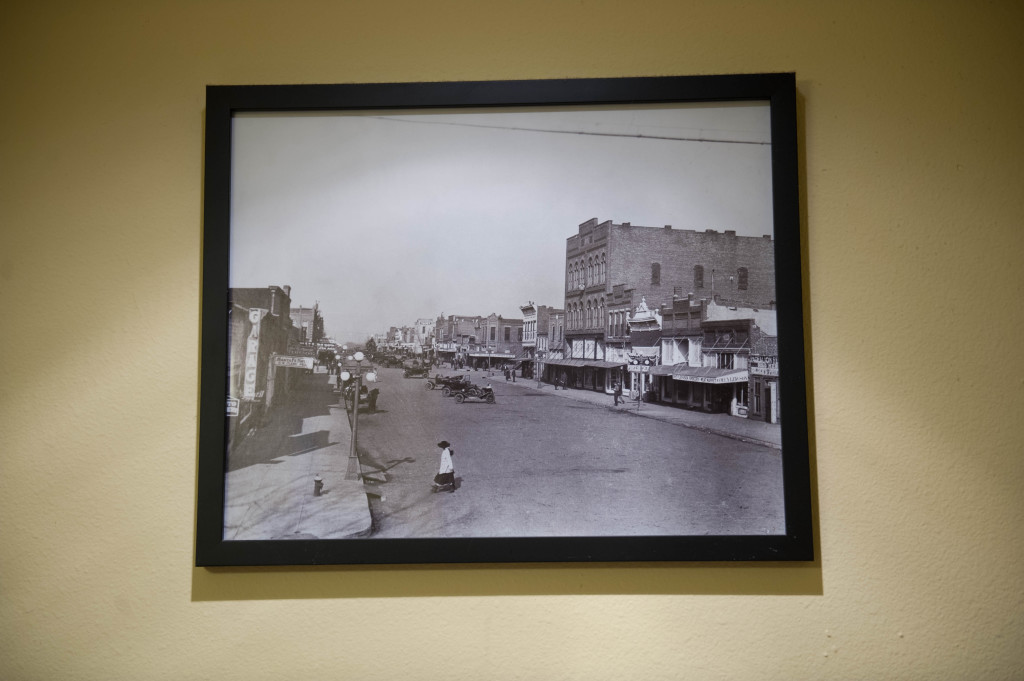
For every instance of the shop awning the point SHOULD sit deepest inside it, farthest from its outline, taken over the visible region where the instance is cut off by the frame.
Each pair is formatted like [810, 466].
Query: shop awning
[592, 363]
[564, 362]
[493, 355]
[710, 375]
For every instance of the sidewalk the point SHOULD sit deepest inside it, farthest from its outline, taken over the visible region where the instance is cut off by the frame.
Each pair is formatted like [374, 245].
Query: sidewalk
[746, 430]
[274, 499]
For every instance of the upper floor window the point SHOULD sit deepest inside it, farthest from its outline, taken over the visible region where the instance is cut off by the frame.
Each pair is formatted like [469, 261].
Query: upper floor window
[655, 273]
[741, 277]
[698, 276]
[508, 333]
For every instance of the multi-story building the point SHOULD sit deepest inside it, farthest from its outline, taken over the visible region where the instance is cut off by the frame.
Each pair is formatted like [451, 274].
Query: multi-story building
[499, 342]
[308, 322]
[424, 332]
[536, 338]
[455, 336]
[260, 328]
[556, 334]
[714, 357]
[610, 269]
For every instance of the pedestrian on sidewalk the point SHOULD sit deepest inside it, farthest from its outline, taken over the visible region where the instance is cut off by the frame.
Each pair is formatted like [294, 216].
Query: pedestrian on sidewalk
[617, 393]
[446, 470]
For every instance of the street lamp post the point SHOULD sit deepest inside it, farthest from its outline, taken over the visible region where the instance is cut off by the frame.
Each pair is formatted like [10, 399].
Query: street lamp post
[353, 462]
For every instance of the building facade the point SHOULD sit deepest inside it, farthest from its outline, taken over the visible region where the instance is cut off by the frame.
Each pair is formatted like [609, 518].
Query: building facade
[611, 269]
[536, 336]
[260, 328]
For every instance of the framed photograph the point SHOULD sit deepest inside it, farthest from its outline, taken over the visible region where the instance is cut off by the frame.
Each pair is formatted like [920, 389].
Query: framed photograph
[502, 322]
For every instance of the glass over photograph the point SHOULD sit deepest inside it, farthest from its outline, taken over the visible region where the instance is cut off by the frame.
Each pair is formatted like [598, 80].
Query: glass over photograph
[552, 322]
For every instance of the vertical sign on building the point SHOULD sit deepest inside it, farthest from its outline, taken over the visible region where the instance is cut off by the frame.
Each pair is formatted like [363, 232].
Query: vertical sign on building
[252, 347]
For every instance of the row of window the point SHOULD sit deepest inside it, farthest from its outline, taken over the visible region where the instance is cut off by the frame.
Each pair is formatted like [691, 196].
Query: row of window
[742, 277]
[583, 273]
[587, 315]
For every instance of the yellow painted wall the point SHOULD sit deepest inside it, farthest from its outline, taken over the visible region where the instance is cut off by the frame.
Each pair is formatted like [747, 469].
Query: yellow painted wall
[914, 188]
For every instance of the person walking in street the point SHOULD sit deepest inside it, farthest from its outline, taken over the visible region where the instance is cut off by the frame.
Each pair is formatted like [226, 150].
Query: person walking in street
[446, 470]
[617, 392]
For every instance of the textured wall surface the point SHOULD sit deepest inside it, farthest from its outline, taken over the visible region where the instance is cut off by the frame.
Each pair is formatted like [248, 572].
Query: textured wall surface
[912, 145]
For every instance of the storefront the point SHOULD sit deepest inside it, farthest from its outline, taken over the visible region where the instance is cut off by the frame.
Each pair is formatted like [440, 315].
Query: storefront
[491, 360]
[764, 388]
[718, 391]
[583, 374]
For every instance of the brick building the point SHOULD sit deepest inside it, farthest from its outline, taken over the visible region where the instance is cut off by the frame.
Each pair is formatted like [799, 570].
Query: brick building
[499, 342]
[260, 327]
[611, 268]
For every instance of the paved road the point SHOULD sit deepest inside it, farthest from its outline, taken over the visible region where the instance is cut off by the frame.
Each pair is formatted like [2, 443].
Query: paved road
[537, 464]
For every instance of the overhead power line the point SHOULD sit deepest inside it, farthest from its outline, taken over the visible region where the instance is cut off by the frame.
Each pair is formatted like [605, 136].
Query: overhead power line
[573, 132]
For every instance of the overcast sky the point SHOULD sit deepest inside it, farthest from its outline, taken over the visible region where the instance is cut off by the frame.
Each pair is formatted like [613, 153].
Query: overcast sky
[385, 218]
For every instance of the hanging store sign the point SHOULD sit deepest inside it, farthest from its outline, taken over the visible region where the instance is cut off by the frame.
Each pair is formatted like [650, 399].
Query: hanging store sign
[764, 365]
[293, 362]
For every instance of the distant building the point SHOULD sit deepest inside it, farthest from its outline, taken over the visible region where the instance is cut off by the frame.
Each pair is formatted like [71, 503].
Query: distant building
[499, 342]
[455, 336]
[309, 322]
[536, 336]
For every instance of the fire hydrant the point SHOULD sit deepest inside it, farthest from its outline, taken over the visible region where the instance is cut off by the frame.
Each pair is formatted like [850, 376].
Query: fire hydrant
[318, 485]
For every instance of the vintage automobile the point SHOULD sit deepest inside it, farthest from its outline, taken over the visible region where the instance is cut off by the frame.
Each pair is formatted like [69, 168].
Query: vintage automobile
[474, 394]
[417, 372]
[447, 383]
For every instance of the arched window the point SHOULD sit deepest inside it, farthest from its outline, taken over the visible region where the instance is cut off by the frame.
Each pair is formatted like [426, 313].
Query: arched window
[590, 271]
[698, 276]
[590, 315]
[741, 276]
[603, 263]
[655, 273]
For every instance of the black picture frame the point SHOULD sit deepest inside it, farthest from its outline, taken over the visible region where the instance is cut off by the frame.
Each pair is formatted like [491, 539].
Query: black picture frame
[225, 102]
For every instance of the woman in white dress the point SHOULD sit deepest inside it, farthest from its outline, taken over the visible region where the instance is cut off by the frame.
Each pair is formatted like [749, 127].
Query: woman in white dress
[446, 471]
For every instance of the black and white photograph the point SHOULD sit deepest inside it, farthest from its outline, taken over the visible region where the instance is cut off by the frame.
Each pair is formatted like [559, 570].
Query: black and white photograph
[529, 331]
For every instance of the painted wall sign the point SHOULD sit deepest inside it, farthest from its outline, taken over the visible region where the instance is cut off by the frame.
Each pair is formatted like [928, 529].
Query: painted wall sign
[252, 355]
